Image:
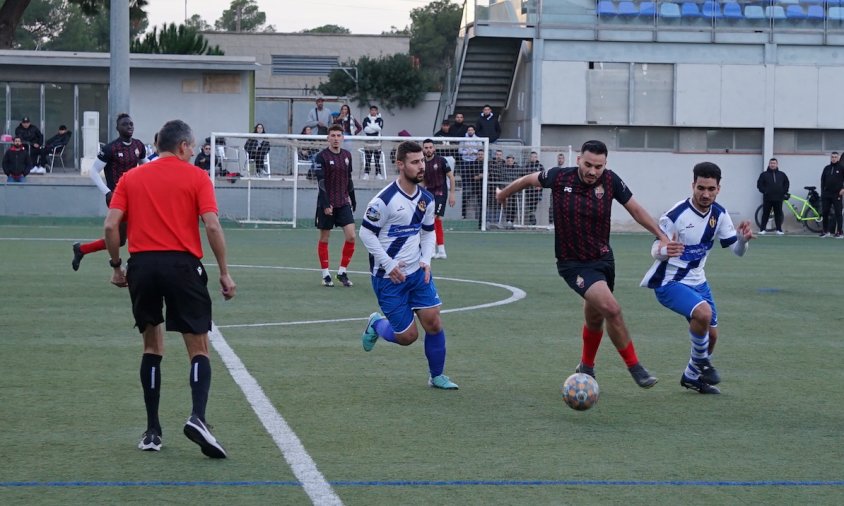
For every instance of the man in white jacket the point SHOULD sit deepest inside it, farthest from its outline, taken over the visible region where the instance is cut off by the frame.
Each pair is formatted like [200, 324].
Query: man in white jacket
[372, 126]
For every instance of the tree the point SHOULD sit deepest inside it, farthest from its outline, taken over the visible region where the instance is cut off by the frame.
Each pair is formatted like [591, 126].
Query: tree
[12, 12]
[41, 22]
[242, 16]
[433, 36]
[328, 29]
[172, 39]
[197, 22]
[392, 81]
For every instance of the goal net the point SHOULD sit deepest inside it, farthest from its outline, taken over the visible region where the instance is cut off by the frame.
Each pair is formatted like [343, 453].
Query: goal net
[269, 178]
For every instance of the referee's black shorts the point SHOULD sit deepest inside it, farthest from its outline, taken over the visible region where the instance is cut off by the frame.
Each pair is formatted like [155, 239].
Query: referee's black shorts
[176, 279]
[341, 217]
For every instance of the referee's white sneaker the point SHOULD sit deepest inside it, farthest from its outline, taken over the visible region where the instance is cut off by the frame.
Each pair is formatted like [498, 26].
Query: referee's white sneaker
[200, 434]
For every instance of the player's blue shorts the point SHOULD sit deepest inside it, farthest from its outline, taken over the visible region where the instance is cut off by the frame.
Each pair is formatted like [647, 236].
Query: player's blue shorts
[683, 299]
[398, 301]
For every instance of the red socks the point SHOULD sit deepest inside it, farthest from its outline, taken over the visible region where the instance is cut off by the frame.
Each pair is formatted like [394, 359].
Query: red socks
[628, 354]
[591, 342]
[438, 231]
[322, 252]
[348, 251]
[91, 247]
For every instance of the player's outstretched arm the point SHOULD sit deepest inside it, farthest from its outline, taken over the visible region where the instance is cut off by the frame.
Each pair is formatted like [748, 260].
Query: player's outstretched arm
[518, 185]
[217, 241]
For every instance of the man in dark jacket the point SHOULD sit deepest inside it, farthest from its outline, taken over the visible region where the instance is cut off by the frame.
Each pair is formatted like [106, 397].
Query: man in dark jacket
[773, 185]
[30, 135]
[459, 128]
[16, 162]
[487, 125]
[832, 187]
[61, 138]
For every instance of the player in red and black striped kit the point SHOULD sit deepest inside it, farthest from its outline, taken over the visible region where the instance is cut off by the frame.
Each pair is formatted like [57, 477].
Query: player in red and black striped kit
[437, 171]
[335, 203]
[114, 160]
[582, 197]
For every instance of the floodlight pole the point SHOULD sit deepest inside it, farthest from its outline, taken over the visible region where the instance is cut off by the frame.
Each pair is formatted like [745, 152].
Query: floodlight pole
[118, 76]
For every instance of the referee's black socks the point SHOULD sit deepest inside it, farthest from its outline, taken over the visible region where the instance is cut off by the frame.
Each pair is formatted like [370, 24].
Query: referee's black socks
[151, 383]
[200, 383]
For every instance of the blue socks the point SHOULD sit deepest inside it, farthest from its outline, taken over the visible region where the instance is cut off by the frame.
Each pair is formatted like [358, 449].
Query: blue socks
[385, 330]
[435, 352]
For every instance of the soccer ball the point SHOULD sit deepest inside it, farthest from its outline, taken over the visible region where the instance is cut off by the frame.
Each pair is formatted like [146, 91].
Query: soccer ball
[580, 391]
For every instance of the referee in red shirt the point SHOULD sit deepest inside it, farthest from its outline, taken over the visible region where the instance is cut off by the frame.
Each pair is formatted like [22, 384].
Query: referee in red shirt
[161, 202]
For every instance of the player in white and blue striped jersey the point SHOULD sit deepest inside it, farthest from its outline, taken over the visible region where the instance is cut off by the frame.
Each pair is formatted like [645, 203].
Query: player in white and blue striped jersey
[680, 282]
[398, 232]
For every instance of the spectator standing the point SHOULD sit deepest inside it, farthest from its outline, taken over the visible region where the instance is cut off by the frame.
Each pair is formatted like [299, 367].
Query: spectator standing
[397, 232]
[439, 181]
[257, 150]
[61, 139]
[445, 129]
[832, 188]
[447, 149]
[532, 195]
[16, 162]
[203, 159]
[561, 162]
[335, 203]
[372, 127]
[459, 128]
[320, 117]
[31, 137]
[114, 159]
[468, 170]
[511, 172]
[583, 197]
[350, 124]
[487, 125]
[773, 185]
[163, 202]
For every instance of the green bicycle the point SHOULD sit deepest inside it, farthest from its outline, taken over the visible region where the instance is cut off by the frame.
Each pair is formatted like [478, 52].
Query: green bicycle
[805, 211]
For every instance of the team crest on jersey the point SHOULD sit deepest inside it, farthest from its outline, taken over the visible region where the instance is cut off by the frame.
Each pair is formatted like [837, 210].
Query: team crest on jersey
[579, 282]
[137, 152]
[712, 222]
[373, 214]
[421, 206]
[199, 270]
[348, 161]
[599, 191]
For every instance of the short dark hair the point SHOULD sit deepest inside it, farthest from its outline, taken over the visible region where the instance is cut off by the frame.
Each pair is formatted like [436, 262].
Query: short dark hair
[121, 116]
[407, 147]
[707, 170]
[337, 128]
[427, 141]
[486, 105]
[773, 160]
[835, 152]
[62, 127]
[446, 122]
[173, 133]
[595, 147]
[373, 107]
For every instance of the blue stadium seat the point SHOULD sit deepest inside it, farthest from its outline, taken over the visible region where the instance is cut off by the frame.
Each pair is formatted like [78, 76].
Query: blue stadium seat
[775, 12]
[669, 10]
[711, 9]
[627, 9]
[812, 2]
[786, 2]
[754, 12]
[836, 13]
[732, 10]
[690, 10]
[647, 9]
[606, 8]
[815, 13]
[795, 12]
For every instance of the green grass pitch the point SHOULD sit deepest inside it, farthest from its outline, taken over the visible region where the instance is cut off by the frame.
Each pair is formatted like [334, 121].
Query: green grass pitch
[71, 408]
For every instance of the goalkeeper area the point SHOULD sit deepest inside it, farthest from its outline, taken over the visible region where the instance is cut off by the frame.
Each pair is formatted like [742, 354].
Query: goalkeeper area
[269, 178]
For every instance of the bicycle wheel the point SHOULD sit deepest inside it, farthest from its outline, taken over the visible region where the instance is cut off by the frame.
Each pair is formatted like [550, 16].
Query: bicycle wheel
[771, 222]
[814, 223]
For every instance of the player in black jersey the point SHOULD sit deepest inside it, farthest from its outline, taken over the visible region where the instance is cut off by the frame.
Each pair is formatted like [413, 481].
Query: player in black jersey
[335, 203]
[439, 180]
[582, 197]
[114, 159]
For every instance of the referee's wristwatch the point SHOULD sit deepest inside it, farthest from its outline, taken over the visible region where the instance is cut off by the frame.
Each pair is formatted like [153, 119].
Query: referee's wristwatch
[115, 265]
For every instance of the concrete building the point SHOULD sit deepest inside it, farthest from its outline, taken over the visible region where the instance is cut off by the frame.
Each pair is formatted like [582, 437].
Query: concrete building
[665, 84]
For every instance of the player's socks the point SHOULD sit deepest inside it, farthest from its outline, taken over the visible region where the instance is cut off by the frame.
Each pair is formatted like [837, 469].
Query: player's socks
[692, 371]
[700, 346]
[438, 231]
[348, 251]
[322, 252]
[628, 354]
[340, 270]
[591, 342]
[435, 352]
[151, 383]
[200, 384]
[385, 330]
[91, 247]
[326, 272]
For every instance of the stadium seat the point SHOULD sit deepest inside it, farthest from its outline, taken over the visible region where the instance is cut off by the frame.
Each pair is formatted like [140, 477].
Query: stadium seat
[732, 10]
[690, 10]
[711, 9]
[627, 9]
[812, 2]
[815, 13]
[647, 9]
[606, 9]
[795, 12]
[669, 10]
[786, 2]
[754, 12]
[836, 14]
[775, 12]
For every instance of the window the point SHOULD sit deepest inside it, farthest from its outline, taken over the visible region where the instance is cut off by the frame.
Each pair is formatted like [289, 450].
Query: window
[291, 65]
[726, 140]
[630, 94]
[654, 138]
[818, 140]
